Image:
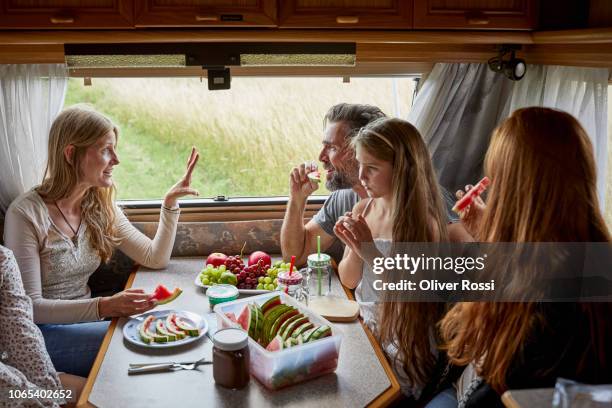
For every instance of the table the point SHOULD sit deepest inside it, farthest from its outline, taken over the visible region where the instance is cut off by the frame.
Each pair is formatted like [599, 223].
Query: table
[363, 376]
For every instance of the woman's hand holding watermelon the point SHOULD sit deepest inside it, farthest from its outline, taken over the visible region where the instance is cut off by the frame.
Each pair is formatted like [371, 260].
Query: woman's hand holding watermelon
[126, 303]
[472, 214]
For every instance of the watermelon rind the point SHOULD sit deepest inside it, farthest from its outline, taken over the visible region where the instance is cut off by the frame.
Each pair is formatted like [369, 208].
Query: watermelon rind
[290, 328]
[173, 329]
[273, 301]
[186, 327]
[142, 330]
[270, 318]
[161, 329]
[299, 330]
[280, 320]
[287, 322]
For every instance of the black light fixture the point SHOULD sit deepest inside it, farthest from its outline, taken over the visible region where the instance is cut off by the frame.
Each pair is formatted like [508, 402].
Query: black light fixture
[513, 68]
[216, 58]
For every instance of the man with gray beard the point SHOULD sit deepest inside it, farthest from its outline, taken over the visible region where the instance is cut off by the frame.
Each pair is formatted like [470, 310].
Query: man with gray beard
[342, 121]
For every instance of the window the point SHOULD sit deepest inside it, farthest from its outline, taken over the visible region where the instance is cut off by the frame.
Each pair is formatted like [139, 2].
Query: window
[249, 137]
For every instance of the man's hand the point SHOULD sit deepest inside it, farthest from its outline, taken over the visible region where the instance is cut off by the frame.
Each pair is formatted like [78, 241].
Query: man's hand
[300, 186]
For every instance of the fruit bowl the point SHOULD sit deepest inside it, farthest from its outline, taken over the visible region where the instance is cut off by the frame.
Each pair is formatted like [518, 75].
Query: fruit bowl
[281, 368]
[258, 277]
[198, 283]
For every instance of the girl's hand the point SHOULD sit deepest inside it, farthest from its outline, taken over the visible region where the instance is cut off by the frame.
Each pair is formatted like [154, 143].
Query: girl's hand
[353, 232]
[126, 303]
[471, 216]
[183, 186]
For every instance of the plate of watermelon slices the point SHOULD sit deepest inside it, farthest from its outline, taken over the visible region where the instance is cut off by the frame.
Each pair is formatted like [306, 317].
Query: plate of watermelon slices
[165, 328]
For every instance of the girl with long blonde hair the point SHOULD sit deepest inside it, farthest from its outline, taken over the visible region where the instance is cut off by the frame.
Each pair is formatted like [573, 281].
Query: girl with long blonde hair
[63, 229]
[543, 189]
[404, 205]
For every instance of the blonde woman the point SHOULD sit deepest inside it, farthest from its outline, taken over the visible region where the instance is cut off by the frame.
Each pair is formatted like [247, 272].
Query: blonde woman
[543, 189]
[403, 205]
[63, 229]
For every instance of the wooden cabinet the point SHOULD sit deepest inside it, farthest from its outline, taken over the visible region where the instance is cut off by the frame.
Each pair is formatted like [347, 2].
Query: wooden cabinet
[475, 14]
[211, 13]
[66, 14]
[384, 14]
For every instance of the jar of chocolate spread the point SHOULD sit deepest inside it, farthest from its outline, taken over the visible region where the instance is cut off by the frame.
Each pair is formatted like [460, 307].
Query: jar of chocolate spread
[231, 358]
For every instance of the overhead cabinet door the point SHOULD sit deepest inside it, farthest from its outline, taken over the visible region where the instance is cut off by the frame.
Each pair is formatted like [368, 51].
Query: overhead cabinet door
[389, 14]
[211, 13]
[65, 14]
[476, 14]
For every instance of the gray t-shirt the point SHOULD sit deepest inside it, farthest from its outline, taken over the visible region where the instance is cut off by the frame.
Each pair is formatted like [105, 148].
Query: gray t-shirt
[341, 201]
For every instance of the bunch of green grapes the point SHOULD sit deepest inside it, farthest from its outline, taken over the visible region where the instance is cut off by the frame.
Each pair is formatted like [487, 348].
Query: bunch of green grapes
[210, 275]
[270, 281]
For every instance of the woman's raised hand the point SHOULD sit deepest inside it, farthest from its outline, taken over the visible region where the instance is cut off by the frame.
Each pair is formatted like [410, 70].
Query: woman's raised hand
[471, 216]
[183, 186]
[353, 231]
[126, 303]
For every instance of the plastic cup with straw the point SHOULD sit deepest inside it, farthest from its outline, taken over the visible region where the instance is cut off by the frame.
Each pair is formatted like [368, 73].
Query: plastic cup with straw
[319, 290]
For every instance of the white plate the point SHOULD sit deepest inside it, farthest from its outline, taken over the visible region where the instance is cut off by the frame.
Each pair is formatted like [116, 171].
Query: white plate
[198, 282]
[130, 330]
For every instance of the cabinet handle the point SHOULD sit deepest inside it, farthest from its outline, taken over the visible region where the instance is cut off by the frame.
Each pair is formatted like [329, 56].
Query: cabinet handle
[347, 19]
[201, 17]
[62, 20]
[476, 18]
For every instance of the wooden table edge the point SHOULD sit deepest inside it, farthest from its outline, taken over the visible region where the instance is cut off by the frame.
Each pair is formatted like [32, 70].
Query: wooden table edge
[509, 401]
[83, 401]
[384, 399]
[392, 393]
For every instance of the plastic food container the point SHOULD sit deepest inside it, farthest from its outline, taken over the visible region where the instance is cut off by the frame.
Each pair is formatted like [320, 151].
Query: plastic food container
[278, 369]
[220, 294]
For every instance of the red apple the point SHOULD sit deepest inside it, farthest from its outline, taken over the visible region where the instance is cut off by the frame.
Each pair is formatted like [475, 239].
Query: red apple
[216, 259]
[257, 255]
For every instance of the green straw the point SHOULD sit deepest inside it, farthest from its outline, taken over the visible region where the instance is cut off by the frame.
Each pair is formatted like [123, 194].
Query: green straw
[319, 266]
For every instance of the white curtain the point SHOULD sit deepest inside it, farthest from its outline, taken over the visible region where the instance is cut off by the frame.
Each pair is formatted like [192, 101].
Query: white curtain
[460, 105]
[456, 110]
[583, 92]
[31, 96]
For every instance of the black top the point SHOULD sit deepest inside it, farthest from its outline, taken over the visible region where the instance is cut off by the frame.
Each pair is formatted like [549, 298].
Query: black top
[563, 345]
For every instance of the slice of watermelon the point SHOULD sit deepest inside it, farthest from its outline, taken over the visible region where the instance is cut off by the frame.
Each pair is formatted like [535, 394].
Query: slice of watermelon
[244, 318]
[231, 316]
[314, 176]
[173, 329]
[469, 197]
[161, 295]
[184, 326]
[147, 334]
[276, 344]
[270, 303]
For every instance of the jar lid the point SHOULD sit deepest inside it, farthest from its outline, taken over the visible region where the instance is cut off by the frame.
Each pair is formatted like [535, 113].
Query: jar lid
[222, 292]
[294, 279]
[319, 260]
[230, 339]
